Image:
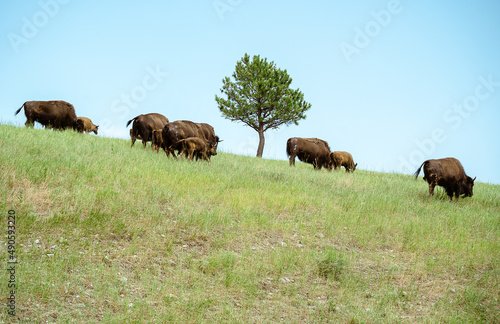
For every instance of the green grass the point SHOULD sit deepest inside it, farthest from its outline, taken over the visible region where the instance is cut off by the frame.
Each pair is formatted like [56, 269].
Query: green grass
[116, 234]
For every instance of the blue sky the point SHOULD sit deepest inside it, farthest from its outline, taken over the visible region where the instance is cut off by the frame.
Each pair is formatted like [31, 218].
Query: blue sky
[392, 82]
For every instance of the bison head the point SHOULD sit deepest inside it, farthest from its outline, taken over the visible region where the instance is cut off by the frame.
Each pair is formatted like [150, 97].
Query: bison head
[327, 162]
[467, 185]
[212, 149]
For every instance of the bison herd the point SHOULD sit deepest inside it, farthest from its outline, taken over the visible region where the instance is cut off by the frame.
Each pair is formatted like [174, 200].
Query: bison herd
[199, 140]
[186, 137]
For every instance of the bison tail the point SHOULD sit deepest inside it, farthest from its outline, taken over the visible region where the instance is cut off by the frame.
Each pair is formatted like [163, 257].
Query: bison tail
[288, 146]
[17, 111]
[128, 123]
[418, 171]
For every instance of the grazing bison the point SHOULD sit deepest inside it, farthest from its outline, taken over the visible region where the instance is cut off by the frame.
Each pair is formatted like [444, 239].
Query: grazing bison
[448, 173]
[309, 150]
[178, 130]
[56, 114]
[198, 146]
[143, 127]
[85, 124]
[342, 159]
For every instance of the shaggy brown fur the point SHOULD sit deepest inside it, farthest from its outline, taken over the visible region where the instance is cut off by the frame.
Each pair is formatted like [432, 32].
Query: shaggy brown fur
[448, 173]
[310, 150]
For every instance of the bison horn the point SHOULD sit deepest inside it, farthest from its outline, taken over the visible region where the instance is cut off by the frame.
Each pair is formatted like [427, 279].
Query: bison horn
[474, 179]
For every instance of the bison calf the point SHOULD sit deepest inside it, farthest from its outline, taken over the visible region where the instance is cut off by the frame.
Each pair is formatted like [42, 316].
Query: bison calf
[448, 173]
[86, 125]
[342, 159]
[181, 129]
[198, 146]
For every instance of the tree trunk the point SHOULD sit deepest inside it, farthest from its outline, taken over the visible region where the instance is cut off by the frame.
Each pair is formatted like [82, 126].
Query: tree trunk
[262, 140]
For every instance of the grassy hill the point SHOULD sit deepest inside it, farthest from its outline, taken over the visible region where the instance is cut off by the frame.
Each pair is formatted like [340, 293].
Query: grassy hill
[116, 234]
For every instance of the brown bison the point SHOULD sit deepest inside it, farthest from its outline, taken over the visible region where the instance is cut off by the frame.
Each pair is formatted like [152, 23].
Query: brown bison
[198, 146]
[143, 127]
[178, 130]
[88, 125]
[56, 114]
[342, 159]
[310, 150]
[448, 173]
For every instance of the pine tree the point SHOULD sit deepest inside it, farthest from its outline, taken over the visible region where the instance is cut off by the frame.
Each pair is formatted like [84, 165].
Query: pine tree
[260, 97]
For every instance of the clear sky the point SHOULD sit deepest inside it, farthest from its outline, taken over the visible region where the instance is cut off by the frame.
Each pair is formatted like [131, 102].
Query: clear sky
[392, 82]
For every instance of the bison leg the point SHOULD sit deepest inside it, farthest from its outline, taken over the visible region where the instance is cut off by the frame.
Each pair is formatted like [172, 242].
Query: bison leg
[29, 123]
[165, 149]
[449, 192]
[190, 154]
[206, 157]
[292, 160]
[316, 164]
[432, 179]
[432, 184]
[181, 152]
[457, 192]
[171, 149]
[133, 141]
[431, 189]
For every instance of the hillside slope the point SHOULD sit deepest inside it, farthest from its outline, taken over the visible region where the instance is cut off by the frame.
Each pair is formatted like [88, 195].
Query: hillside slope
[105, 232]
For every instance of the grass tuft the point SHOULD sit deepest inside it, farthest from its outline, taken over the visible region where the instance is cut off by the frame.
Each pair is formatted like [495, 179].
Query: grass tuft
[332, 266]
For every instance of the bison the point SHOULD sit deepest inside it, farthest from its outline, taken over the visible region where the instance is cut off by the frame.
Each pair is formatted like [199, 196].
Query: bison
[449, 174]
[86, 125]
[198, 146]
[178, 130]
[56, 114]
[310, 150]
[342, 159]
[143, 127]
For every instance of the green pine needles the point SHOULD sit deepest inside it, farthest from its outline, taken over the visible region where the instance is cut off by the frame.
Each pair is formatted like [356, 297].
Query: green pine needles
[261, 98]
